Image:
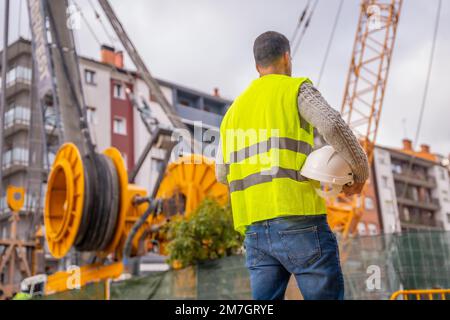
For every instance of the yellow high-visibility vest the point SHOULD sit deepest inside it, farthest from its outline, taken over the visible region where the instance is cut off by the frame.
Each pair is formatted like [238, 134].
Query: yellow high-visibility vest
[265, 143]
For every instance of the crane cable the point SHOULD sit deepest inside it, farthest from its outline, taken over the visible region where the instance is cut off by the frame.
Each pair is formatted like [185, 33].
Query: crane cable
[87, 240]
[425, 95]
[300, 21]
[305, 28]
[114, 67]
[111, 40]
[85, 20]
[330, 42]
[105, 29]
[79, 105]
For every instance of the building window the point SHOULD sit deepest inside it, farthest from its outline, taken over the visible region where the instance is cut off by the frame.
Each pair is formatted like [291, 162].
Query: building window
[362, 229]
[396, 168]
[413, 193]
[16, 115]
[368, 203]
[373, 230]
[15, 156]
[187, 99]
[400, 189]
[18, 74]
[442, 174]
[448, 217]
[384, 183]
[120, 126]
[89, 77]
[49, 159]
[118, 91]
[214, 107]
[91, 115]
[50, 119]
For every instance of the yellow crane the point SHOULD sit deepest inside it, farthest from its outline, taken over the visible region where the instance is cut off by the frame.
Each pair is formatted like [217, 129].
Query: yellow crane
[364, 95]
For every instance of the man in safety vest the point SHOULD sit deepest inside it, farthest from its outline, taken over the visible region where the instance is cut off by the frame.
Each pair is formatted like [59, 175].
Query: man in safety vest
[266, 135]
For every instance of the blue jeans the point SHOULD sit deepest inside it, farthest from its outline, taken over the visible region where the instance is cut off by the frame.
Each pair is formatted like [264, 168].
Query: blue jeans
[303, 246]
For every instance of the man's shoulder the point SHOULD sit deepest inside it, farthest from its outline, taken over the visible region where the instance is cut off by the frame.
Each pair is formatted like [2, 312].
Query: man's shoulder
[300, 81]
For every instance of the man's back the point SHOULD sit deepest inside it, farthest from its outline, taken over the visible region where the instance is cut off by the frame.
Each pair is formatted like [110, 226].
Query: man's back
[271, 98]
[266, 145]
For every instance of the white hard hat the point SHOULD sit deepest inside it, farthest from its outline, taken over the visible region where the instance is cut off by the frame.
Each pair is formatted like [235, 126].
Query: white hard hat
[330, 169]
[24, 287]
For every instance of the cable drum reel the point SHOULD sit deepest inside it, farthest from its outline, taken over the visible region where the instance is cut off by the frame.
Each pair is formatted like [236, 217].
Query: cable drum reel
[85, 204]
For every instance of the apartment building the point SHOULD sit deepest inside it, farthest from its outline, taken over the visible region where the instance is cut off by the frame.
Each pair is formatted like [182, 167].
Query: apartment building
[112, 118]
[413, 189]
[15, 131]
[115, 122]
[370, 223]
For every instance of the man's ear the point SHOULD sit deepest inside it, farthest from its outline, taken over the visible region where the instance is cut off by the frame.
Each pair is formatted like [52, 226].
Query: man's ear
[257, 68]
[287, 57]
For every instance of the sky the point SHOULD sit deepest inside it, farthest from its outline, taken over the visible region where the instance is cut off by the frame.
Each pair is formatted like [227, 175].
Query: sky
[204, 44]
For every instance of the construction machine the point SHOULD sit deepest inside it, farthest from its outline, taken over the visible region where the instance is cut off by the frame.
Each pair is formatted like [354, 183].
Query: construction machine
[92, 205]
[129, 219]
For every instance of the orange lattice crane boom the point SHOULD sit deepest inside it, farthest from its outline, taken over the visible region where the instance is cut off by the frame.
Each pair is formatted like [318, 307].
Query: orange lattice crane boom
[364, 93]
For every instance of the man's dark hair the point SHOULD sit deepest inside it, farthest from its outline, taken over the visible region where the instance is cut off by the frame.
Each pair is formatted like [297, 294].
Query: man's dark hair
[269, 47]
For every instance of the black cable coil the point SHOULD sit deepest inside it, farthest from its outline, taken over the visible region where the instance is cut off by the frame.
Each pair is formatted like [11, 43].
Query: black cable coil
[101, 204]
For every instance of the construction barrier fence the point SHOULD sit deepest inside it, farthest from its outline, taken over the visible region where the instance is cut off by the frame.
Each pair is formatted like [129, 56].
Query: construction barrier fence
[378, 266]
[374, 268]
[226, 278]
[433, 294]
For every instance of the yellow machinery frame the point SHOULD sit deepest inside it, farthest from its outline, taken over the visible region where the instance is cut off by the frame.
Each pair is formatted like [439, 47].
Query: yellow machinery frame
[191, 176]
[15, 254]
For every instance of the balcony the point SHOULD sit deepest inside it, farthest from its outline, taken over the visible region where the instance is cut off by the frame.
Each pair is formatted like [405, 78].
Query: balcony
[420, 221]
[17, 86]
[432, 205]
[414, 179]
[15, 160]
[16, 119]
[193, 114]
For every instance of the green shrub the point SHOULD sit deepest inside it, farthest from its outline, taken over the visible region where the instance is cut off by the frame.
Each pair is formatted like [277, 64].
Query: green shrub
[207, 234]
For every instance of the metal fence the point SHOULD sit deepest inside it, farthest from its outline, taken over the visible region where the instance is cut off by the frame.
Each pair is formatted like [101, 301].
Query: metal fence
[375, 268]
[378, 266]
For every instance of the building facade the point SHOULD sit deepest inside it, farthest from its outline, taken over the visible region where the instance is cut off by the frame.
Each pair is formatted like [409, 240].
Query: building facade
[370, 222]
[112, 118]
[413, 189]
[115, 122]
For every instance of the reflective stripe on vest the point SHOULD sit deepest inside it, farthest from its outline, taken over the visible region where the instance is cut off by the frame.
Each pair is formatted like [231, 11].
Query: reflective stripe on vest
[263, 177]
[265, 144]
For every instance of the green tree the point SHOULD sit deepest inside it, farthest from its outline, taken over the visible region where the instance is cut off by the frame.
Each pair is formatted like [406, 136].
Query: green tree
[207, 234]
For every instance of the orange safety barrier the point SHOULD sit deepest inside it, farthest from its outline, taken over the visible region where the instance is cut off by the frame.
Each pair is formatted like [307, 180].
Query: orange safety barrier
[420, 294]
